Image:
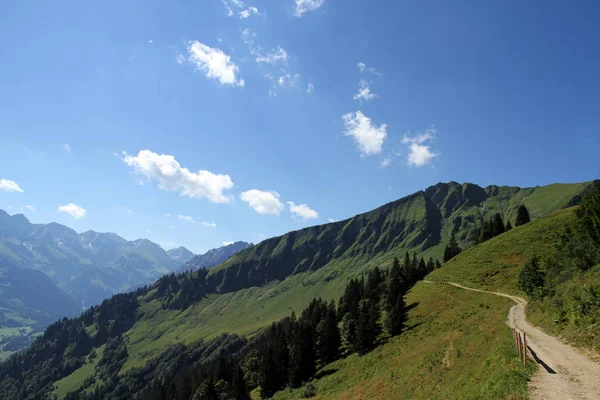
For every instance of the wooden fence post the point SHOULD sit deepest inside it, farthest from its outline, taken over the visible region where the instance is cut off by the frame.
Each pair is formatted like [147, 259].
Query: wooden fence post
[520, 346]
[524, 349]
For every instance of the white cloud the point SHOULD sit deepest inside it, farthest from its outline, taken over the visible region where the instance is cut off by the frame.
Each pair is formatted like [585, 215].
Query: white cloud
[310, 88]
[227, 243]
[332, 220]
[171, 176]
[248, 36]
[363, 67]
[419, 154]
[248, 12]
[150, 41]
[369, 138]
[386, 162]
[209, 224]
[30, 208]
[127, 210]
[148, 231]
[67, 147]
[73, 210]
[167, 214]
[263, 202]
[364, 92]
[287, 80]
[186, 218]
[275, 56]
[9, 186]
[214, 63]
[304, 6]
[302, 211]
[232, 3]
[180, 59]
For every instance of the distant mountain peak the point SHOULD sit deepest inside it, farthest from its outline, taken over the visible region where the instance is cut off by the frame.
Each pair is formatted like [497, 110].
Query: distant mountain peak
[215, 257]
[180, 254]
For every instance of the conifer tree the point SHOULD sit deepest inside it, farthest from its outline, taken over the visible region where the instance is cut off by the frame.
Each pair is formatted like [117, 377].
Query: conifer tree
[368, 328]
[374, 280]
[396, 316]
[498, 228]
[522, 215]
[437, 264]
[422, 268]
[407, 273]
[531, 277]
[508, 226]
[588, 215]
[452, 249]
[395, 285]
[430, 265]
[327, 342]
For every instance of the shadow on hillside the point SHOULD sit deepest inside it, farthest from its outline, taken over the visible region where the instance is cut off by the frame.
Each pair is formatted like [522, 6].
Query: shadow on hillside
[410, 328]
[539, 361]
[325, 372]
[411, 306]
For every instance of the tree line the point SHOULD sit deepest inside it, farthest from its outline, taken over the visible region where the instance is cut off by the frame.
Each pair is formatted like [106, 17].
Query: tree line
[286, 354]
[489, 229]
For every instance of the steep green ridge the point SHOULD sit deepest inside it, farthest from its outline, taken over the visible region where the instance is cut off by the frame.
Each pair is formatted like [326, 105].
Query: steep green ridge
[267, 281]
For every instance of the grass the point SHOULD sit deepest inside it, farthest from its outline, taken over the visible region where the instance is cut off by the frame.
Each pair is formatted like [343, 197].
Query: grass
[457, 346]
[16, 331]
[494, 265]
[75, 380]
[561, 314]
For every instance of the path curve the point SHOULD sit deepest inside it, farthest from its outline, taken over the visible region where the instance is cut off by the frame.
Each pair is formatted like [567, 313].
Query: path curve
[565, 373]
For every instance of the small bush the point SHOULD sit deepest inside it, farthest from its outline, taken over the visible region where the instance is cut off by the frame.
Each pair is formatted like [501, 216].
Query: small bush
[309, 391]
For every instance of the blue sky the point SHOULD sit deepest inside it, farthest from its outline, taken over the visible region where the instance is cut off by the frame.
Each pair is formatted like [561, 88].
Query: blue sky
[296, 111]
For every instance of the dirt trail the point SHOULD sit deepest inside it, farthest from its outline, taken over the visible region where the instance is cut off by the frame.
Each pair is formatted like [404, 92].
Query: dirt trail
[565, 373]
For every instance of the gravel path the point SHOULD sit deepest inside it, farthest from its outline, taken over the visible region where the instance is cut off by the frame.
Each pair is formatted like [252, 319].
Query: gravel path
[564, 372]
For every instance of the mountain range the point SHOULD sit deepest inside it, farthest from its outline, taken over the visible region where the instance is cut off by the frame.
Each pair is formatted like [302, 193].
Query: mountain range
[214, 257]
[49, 271]
[267, 281]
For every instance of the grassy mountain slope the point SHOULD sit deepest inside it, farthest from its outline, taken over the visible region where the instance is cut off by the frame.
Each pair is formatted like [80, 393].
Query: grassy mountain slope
[494, 265]
[285, 273]
[269, 280]
[457, 346]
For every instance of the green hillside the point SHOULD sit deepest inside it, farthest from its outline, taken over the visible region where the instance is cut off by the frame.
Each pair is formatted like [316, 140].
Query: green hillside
[457, 347]
[268, 281]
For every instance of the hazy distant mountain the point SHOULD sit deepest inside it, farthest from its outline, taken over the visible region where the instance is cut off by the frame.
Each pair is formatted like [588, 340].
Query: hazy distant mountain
[214, 257]
[140, 262]
[88, 267]
[180, 254]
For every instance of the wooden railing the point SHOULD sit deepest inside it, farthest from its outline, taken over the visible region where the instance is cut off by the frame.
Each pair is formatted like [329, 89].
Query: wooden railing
[521, 344]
